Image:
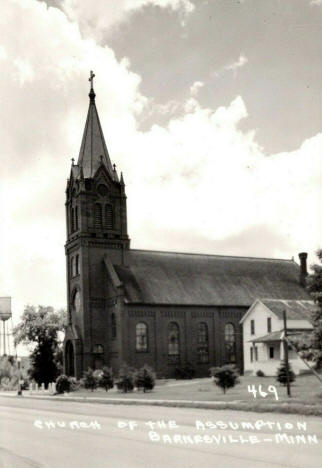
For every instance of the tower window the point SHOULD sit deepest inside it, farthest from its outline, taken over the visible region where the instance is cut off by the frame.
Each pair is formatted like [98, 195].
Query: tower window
[76, 218]
[97, 215]
[203, 343]
[230, 343]
[108, 217]
[72, 219]
[77, 265]
[113, 326]
[141, 337]
[173, 343]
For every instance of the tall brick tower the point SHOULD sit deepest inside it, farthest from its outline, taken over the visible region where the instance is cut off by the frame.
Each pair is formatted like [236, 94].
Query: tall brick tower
[96, 238]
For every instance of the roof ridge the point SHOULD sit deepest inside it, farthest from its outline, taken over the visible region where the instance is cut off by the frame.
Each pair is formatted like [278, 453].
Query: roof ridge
[212, 255]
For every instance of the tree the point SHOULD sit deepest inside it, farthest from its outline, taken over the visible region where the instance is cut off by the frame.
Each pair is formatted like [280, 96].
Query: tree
[281, 374]
[90, 379]
[225, 376]
[106, 378]
[40, 327]
[313, 349]
[144, 378]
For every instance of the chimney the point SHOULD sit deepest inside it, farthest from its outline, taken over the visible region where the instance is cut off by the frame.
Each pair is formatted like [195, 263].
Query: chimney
[303, 268]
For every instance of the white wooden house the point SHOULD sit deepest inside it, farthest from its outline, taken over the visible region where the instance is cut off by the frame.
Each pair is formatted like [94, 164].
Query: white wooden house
[263, 333]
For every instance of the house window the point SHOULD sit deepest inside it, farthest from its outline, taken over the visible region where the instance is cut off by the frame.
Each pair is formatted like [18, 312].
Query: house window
[108, 217]
[173, 343]
[256, 353]
[251, 354]
[269, 324]
[97, 216]
[252, 327]
[203, 343]
[271, 352]
[141, 337]
[113, 326]
[230, 343]
[77, 265]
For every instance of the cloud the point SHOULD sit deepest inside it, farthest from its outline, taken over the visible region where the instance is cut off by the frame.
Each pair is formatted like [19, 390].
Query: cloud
[199, 177]
[316, 2]
[95, 21]
[238, 64]
[195, 88]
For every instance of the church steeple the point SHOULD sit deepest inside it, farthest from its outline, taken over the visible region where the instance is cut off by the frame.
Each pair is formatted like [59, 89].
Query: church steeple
[93, 151]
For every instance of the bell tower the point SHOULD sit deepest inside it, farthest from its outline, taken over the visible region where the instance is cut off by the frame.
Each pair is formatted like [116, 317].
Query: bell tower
[96, 224]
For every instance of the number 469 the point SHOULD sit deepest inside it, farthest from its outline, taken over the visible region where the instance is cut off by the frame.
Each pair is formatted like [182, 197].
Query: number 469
[271, 389]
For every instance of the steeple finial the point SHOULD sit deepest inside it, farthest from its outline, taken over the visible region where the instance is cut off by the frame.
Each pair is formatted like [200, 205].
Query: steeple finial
[91, 93]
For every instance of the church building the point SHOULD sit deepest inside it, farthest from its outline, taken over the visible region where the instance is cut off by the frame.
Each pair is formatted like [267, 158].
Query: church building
[164, 309]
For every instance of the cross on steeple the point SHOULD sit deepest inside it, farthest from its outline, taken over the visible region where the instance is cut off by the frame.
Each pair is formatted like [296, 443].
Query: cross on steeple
[91, 78]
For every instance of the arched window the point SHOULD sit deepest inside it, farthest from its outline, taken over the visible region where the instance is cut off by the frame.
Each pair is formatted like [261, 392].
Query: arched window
[72, 220]
[76, 218]
[203, 343]
[141, 337]
[230, 343]
[108, 222]
[77, 265]
[97, 215]
[173, 343]
[113, 326]
[72, 267]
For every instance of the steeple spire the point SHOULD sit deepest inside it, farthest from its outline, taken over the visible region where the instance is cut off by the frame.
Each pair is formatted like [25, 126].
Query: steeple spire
[93, 151]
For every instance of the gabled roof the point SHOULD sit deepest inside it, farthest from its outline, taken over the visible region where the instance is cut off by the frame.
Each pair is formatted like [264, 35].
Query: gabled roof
[195, 279]
[93, 151]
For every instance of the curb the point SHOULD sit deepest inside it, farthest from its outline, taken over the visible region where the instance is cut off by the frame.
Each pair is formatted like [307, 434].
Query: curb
[285, 408]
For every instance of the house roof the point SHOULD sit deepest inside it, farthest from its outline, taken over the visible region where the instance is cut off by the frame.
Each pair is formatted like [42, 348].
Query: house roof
[295, 309]
[274, 336]
[196, 279]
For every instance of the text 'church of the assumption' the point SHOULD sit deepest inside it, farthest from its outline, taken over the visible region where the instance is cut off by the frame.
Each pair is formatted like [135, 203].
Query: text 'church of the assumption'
[164, 309]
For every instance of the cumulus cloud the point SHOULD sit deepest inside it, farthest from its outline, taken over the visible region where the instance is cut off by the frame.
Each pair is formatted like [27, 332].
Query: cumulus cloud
[234, 66]
[199, 177]
[195, 88]
[95, 21]
[316, 2]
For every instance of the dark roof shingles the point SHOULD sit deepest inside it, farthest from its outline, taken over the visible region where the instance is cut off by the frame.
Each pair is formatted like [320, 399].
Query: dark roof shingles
[193, 279]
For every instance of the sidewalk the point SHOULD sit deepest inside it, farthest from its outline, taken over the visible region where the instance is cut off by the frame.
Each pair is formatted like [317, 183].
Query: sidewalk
[236, 405]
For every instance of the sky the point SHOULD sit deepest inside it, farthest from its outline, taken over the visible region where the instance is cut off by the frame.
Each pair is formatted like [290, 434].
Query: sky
[211, 109]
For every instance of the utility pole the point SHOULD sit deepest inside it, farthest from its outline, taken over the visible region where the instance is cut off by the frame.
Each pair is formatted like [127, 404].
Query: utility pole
[286, 356]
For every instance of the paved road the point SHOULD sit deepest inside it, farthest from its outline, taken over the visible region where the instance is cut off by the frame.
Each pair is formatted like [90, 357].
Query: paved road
[28, 437]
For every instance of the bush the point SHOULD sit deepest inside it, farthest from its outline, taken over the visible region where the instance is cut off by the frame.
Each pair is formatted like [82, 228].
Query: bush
[225, 377]
[281, 373]
[125, 381]
[144, 378]
[106, 378]
[74, 384]
[260, 373]
[90, 380]
[63, 384]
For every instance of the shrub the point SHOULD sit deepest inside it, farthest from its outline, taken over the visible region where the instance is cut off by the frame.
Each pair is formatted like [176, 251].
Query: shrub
[106, 378]
[74, 384]
[281, 373]
[260, 373]
[125, 381]
[144, 378]
[63, 384]
[90, 380]
[225, 377]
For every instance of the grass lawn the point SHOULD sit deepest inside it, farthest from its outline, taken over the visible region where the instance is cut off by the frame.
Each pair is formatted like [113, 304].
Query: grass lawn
[305, 390]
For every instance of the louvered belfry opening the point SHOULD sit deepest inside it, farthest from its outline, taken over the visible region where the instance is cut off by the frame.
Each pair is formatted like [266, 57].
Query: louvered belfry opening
[108, 217]
[98, 216]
